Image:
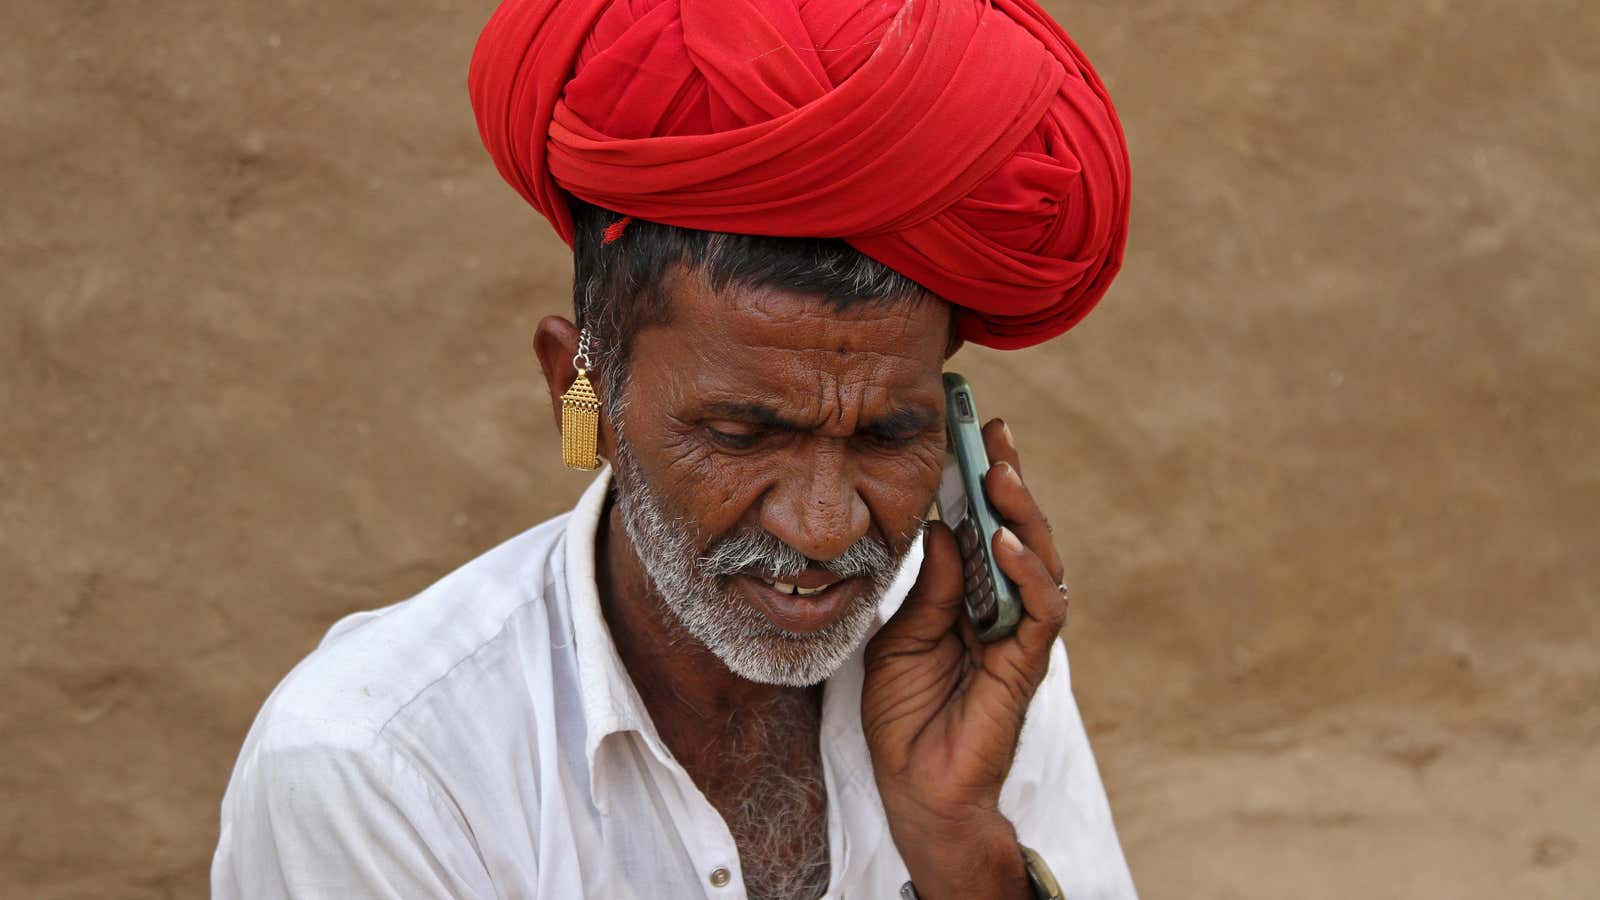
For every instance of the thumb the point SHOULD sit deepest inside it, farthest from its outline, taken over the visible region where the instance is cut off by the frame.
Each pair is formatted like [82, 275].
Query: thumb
[935, 600]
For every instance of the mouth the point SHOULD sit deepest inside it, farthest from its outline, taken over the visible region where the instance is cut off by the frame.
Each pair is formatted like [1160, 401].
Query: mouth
[812, 602]
[793, 589]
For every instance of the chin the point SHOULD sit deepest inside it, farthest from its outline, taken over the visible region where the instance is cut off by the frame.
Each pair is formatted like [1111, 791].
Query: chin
[782, 674]
[774, 655]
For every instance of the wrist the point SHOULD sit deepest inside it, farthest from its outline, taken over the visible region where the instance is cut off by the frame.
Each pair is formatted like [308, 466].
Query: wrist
[973, 860]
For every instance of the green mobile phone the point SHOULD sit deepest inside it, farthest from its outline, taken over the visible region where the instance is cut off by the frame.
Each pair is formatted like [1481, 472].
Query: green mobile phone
[992, 600]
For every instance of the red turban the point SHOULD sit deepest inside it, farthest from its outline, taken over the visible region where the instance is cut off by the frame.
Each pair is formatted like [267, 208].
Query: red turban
[966, 144]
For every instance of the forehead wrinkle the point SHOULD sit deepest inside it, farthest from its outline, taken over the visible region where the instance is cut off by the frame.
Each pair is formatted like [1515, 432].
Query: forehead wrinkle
[786, 368]
[848, 356]
[822, 373]
[815, 398]
[789, 311]
[793, 352]
[817, 403]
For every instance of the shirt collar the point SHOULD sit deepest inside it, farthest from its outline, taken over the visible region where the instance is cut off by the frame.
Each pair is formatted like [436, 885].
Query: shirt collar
[611, 703]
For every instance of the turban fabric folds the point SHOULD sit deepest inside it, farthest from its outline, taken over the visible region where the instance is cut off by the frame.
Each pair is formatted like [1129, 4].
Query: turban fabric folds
[964, 143]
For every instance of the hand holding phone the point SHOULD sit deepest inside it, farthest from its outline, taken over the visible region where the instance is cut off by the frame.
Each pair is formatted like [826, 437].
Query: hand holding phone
[941, 755]
[992, 601]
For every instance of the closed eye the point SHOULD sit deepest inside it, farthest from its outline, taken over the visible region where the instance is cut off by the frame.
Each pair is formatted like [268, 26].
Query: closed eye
[892, 440]
[902, 429]
[734, 436]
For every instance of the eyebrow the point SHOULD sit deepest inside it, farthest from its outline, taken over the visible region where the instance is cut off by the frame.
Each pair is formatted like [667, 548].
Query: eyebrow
[903, 419]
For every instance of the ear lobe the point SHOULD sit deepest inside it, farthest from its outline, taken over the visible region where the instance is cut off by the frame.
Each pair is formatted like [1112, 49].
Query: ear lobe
[555, 342]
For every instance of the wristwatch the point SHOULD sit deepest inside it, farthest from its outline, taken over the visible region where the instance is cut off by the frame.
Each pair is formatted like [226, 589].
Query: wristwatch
[1040, 878]
[1045, 886]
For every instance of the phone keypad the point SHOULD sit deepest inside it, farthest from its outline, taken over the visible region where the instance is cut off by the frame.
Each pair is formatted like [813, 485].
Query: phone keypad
[978, 585]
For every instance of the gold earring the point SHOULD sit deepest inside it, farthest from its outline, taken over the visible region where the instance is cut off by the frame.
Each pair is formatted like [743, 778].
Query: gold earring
[580, 414]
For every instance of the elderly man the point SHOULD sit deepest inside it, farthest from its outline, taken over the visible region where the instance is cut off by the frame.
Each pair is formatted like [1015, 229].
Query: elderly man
[741, 666]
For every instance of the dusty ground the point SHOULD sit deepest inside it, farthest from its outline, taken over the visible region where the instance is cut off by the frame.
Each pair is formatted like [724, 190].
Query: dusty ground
[1324, 463]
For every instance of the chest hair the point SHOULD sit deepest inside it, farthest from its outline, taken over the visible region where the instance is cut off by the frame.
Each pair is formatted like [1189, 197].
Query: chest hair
[764, 775]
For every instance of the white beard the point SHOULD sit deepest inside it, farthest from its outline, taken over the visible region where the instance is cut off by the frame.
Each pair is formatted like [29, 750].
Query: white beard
[695, 587]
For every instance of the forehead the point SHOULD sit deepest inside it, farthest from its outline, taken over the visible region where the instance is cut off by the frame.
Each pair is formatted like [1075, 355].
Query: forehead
[769, 340]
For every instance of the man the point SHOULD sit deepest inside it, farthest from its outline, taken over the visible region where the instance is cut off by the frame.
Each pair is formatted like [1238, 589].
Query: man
[740, 666]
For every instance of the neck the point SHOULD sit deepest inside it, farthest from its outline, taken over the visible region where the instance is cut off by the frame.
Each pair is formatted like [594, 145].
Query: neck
[686, 688]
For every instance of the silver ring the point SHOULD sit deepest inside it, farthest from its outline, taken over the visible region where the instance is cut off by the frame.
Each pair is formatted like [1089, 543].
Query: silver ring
[1062, 587]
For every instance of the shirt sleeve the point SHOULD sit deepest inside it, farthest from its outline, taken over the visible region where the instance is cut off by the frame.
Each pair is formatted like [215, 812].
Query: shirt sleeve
[334, 811]
[1055, 798]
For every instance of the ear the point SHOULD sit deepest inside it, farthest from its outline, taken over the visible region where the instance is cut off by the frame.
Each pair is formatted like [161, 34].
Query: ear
[555, 342]
[954, 341]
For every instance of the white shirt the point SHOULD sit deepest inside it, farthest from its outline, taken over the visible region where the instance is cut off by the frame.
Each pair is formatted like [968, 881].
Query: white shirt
[483, 739]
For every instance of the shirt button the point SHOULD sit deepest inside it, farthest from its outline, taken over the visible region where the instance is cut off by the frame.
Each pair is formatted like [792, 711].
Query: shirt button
[720, 877]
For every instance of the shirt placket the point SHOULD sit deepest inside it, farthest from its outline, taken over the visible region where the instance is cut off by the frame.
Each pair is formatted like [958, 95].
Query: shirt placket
[705, 835]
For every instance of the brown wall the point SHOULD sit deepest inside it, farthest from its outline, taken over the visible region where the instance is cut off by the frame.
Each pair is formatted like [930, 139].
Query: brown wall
[1324, 465]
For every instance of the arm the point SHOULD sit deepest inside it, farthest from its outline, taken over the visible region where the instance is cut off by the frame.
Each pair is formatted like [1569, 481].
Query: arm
[338, 813]
[943, 712]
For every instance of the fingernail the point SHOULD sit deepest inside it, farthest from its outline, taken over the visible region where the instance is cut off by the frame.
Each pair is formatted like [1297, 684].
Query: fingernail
[1009, 540]
[1008, 472]
[1005, 432]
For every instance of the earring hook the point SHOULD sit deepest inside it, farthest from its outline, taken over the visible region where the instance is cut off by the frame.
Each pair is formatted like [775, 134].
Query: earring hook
[581, 359]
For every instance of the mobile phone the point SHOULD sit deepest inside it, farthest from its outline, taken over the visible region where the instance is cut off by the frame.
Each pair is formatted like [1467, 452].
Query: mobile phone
[992, 599]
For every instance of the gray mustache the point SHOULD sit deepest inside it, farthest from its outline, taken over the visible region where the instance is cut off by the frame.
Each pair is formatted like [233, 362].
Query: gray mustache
[760, 551]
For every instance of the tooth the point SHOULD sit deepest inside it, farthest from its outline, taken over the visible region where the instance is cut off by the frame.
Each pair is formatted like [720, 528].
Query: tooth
[804, 592]
[785, 588]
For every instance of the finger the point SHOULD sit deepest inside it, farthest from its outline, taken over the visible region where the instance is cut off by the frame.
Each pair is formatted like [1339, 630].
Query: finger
[969, 637]
[1015, 504]
[999, 443]
[1043, 605]
[935, 600]
[1013, 668]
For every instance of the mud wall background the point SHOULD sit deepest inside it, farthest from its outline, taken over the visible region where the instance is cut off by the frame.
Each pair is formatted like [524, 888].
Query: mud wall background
[1323, 466]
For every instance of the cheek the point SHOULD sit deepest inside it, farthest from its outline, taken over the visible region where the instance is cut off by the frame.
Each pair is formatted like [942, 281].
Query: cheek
[900, 489]
[708, 489]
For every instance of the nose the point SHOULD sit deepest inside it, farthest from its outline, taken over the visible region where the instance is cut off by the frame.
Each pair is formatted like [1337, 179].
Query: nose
[817, 509]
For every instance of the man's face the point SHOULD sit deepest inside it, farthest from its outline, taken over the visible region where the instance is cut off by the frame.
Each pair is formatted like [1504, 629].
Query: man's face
[774, 460]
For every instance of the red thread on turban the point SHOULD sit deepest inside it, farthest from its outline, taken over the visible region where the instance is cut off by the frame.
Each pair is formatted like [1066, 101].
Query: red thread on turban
[964, 143]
